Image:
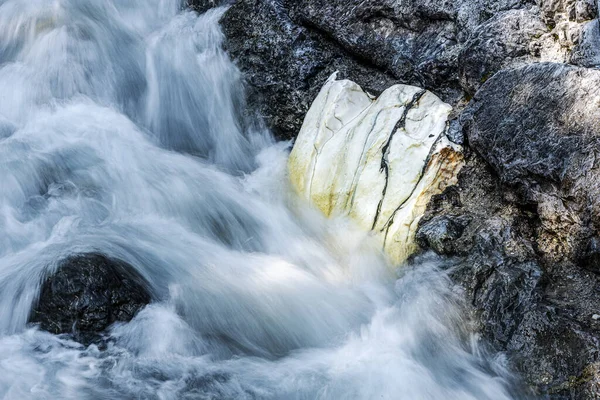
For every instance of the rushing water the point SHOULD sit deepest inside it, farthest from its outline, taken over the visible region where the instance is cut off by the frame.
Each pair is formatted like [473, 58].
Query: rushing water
[120, 134]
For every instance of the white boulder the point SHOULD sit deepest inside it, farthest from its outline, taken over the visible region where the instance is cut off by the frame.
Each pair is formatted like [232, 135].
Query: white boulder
[378, 161]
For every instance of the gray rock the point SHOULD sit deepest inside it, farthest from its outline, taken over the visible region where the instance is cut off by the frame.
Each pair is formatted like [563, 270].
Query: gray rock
[288, 48]
[538, 127]
[414, 41]
[508, 39]
[440, 234]
[286, 64]
[528, 257]
[417, 41]
[556, 11]
[87, 294]
[570, 27]
[587, 52]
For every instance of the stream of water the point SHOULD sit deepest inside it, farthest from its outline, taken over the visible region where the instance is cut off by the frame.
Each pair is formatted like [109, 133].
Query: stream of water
[121, 134]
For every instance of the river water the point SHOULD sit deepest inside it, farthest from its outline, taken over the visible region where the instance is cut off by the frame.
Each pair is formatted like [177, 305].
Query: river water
[121, 134]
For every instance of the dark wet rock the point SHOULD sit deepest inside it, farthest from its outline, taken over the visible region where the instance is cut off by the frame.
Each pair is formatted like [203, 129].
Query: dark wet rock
[87, 294]
[286, 64]
[204, 5]
[539, 128]
[590, 257]
[528, 256]
[440, 234]
[418, 42]
[287, 49]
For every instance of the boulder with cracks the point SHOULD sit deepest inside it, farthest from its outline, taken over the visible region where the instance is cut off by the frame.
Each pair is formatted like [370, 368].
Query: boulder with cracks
[378, 161]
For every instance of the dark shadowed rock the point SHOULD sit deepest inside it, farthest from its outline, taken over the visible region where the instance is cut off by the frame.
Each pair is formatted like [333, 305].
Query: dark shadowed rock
[418, 41]
[88, 293]
[287, 49]
[286, 64]
[203, 5]
[440, 234]
[528, 255]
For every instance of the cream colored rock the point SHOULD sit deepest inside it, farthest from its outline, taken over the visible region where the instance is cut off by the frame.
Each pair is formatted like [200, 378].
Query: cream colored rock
[378, 161]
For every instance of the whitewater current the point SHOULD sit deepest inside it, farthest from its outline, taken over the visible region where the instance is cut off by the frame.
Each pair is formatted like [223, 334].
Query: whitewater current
[122, 133]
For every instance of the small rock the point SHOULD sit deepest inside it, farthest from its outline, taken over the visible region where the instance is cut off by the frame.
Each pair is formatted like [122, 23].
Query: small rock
[87, 294]
[439, 234]
[203, 5]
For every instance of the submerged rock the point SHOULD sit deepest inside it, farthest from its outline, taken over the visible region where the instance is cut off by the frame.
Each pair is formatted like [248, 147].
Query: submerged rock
[378, 161]
[87, 294]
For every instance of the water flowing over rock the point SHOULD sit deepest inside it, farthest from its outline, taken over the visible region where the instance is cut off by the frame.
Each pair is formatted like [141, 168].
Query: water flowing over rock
[378, 161]
[124, 147]
[87, 294]
[522, 220]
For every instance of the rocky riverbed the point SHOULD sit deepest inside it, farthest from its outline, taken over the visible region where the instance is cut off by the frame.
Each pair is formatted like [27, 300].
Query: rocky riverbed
[521, 224]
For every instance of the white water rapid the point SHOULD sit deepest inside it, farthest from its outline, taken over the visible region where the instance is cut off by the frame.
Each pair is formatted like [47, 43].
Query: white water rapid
[120, 134]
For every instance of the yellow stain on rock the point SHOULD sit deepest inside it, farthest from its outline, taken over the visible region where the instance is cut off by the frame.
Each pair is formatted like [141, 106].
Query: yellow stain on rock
[376, 160]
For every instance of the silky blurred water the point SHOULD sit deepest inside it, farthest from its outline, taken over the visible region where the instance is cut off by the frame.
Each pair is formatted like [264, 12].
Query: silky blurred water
[120, 133]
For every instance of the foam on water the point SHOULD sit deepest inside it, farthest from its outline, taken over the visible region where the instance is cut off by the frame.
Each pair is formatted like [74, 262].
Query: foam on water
[120, 133]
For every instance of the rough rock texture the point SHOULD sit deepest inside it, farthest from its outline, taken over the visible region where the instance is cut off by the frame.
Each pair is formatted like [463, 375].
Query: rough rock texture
[287, 48]
[567, 19]
[286, 64]
[88, 293]
[507, 39]
[204, 5]
[539, 128]
[378, 161]
[523, 223]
